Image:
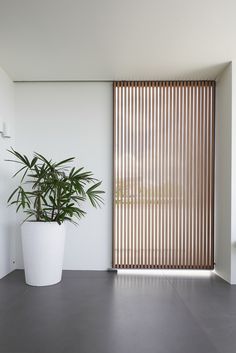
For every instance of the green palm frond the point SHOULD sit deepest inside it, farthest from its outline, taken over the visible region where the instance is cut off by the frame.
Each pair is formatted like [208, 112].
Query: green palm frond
[52, 191]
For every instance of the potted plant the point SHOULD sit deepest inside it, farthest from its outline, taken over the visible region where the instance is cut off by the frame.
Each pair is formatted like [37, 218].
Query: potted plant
[49, 194]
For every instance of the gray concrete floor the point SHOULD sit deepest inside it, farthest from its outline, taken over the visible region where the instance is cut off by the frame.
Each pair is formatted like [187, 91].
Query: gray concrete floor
[103, 312]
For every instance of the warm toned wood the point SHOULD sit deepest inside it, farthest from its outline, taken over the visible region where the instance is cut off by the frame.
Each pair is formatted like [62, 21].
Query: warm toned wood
[128, 138]
[194, 171]
[153, 196]
[205, 88]
[177, 177]
[173, 225]
[163, 177]
[187, 206]
[160, 176]
[208, 174]
[122, 175]
[139, 174]
[212, 174]
[198, 181]
[114, 225]
[201, 174]
[145, 178]
[184, 176]
[191, 134]
[166, 175]
[133, 177]
[163, 203]
[202, 177]
[142, 183]
[148, 174]
[124, 192]
[119, 179]
[170, 204]
[156, 174]
[181, 262]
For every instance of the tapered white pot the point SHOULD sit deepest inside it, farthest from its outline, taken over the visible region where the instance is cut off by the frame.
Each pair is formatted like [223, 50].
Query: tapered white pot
[43, 252]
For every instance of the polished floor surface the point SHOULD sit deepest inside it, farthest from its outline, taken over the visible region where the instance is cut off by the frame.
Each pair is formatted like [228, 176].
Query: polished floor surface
[101, 312]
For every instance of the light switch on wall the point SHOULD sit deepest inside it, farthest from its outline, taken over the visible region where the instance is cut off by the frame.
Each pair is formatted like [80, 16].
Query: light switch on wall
[4, 128]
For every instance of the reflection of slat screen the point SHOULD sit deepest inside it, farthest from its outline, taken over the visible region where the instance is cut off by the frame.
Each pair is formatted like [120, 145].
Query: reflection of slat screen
[163, 175]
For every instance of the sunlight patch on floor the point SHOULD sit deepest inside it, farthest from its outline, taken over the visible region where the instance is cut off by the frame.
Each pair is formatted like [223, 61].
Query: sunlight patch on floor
[166, 273]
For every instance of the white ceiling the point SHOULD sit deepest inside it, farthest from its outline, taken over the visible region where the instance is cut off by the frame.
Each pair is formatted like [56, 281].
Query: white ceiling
[116, 39]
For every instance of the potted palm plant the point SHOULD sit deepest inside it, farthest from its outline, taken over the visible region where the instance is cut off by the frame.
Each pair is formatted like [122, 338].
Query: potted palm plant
[49, 194]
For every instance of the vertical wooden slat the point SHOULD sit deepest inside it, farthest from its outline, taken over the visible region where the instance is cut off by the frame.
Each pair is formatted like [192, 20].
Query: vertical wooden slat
[146, 173]
[140, 176]
[166, 174]
[198, 177]
[195, 173]
[180, 178]
[122, 147]
[201, 174]
[129, 180]
[115, 223]
[184, 175]
[153, 149]
[149, 173]
[212, 174]
[124, 193]
[160, 176]
[121, 176]
[187, 235]
[134, 174]
[204, 176]
[191, 167]
[155, 166]
[142, 183]
[201, 171]
[170, 178]
[177, 177]
[209, 174]
[163, 176]
[118, 176]
[174, 153]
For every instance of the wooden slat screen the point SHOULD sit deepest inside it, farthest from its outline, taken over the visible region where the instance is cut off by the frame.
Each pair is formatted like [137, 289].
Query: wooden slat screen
[163, 210]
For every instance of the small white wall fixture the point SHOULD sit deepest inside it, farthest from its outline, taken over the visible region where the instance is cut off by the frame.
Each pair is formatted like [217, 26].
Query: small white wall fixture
[1, 125]
[4, 128]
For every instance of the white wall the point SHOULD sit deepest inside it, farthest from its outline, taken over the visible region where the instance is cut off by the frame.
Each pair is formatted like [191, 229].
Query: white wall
[62, 120]
[7, 215]
[233, 177]
[75, 119]
[225, 175]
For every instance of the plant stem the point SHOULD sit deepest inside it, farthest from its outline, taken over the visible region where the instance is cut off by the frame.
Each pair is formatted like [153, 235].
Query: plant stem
[39, 206]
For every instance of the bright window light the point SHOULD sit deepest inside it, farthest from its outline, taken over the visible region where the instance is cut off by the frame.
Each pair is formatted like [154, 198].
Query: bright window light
[166, 273]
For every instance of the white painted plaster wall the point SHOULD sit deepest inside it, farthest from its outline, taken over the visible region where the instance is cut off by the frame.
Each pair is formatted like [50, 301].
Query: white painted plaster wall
[225, 174]
[7, 215]
[62, 120]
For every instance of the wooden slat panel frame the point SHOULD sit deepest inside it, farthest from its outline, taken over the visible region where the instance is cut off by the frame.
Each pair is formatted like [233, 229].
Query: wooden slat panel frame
[163, 187]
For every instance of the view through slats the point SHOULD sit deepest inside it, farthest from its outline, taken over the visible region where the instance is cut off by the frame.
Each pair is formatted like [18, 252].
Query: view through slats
[163, 207]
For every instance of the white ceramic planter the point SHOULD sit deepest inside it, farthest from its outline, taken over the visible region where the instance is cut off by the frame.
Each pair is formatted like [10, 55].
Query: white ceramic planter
[43, 252]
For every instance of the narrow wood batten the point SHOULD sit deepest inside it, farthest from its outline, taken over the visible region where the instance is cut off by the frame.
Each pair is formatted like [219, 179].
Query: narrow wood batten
[163, 204]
